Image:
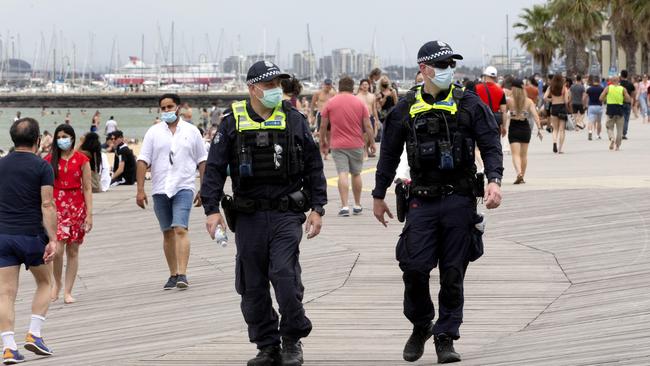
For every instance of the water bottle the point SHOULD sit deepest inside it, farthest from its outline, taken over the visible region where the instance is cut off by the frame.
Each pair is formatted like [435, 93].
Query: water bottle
[221, 237]
[480, 226]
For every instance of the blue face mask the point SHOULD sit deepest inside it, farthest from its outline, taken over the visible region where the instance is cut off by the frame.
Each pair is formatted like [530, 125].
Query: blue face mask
[168, 117]
[272, 97]
[443, 77]
[64, 143]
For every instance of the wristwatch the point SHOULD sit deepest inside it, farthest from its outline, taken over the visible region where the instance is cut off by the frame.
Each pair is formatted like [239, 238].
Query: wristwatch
[495, 180]
[319, 210]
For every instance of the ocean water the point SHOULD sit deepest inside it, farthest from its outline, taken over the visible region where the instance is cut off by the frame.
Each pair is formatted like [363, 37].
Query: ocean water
[134, 122]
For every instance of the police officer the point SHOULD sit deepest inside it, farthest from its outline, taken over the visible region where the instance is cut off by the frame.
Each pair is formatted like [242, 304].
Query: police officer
[277, 175]
[440, 124]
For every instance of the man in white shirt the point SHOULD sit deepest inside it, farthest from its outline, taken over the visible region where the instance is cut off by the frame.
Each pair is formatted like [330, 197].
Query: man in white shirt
[111, 126]
[173, 150]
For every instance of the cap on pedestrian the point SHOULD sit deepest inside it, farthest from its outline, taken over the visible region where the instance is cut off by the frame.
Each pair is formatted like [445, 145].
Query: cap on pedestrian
[434, 51]
[490, 71]
[328, 82]
[262, 71]
[517, 83]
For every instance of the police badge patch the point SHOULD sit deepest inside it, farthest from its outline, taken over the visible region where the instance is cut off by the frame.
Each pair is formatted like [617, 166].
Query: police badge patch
[217, 138]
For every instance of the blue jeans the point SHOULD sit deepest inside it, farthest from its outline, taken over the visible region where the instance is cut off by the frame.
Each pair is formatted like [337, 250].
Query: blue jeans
[626, 115]
[643, 104]
[175, 211]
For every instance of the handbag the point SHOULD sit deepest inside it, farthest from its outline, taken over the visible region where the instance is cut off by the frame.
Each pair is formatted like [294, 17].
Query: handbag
[570, 123]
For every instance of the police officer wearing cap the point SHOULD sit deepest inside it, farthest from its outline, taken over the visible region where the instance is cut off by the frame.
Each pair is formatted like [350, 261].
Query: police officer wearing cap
[277, 176]
[441, 124]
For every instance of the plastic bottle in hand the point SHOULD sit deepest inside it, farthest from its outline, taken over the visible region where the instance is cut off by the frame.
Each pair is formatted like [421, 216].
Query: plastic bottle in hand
[221, 237]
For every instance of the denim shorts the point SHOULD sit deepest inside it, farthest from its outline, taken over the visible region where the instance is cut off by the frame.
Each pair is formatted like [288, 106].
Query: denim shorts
[595, 113]
[18, 249]
[173, 212]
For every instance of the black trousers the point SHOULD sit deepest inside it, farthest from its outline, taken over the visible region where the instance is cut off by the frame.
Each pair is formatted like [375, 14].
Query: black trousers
[267, 251]
[438, 232]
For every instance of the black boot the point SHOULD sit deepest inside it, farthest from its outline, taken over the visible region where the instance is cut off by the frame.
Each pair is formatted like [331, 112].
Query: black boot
[445, 349]
[291, 352]
[267, 356]
[414, 347]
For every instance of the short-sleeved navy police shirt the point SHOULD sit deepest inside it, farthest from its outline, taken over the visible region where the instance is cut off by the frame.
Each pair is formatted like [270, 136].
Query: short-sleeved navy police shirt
[23, 174]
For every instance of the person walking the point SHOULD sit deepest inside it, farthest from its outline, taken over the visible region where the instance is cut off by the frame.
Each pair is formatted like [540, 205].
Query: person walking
[521, 109]
[123, 161]
[627, 105]
[173, 150]
[440, 123]
[386, 97]
[642, 92]
[615, 95]
[27, 236]
[92, 148]
[577, 90]
[74, 206]
[371, 102]
[111, 126]
[277, 175]
[318, 100]
[594, 107]
[350, 122]
[558, 96]
[493, 96]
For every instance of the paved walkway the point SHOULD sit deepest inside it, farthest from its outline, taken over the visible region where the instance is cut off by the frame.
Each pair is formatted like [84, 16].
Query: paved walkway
[564, 280]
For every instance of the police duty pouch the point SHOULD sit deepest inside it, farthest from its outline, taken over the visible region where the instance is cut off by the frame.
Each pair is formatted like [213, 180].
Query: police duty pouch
[229, 212]
[298, 201]
[401, 196]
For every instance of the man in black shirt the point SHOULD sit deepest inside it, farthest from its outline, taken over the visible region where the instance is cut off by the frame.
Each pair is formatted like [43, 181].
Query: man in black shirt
[27, 235]
[627, 106]
[124, 161]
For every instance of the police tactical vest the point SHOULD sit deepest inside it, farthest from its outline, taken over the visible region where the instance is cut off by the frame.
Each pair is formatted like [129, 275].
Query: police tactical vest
[265, 152]
[440, 143]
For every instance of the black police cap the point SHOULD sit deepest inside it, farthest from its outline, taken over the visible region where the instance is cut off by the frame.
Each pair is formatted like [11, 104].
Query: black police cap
[262, 71]
[436, 51]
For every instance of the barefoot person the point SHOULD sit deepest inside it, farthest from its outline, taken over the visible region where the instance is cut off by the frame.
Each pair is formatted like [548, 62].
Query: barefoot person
[521, 109]
[558, 95]
[27, 220]
[318, 100]
[174, 150]
[74, 206]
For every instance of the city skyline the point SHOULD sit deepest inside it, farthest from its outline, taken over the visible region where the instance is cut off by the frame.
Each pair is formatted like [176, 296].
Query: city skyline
[213, 34]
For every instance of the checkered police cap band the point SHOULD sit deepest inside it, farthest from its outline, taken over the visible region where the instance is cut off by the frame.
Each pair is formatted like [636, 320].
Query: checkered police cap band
[263, 76]
[435, 56]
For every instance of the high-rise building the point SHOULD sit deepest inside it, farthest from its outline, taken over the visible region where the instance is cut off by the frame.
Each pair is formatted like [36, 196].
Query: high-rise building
[344, 62]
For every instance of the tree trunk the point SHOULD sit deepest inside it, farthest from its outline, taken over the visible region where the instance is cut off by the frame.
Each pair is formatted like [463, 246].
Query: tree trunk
[582, 59]
[570, 52]
[630, 58]
[644, 58]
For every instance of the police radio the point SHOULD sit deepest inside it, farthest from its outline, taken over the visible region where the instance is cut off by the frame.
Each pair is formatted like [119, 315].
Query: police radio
[446, 156]
[245, 162]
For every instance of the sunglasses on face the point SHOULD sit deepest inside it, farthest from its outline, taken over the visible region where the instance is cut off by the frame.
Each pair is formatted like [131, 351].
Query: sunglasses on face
[444, 64]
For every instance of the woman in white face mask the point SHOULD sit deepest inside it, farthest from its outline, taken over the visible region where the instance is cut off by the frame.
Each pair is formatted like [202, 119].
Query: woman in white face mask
[74, 206]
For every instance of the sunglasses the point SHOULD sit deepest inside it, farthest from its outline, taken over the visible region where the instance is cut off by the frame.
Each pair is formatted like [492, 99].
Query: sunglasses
[444, 64]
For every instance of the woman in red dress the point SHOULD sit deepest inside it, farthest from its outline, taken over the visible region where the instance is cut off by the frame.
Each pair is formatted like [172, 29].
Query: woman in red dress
[74, 206]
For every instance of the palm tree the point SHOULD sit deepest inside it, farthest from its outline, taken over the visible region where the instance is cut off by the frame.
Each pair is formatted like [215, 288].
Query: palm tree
[641, 9]
[578, 20]
[537, 34]
[626, 31]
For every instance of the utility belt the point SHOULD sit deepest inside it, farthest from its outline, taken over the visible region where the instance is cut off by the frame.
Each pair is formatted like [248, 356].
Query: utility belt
[297, 201]
[404, 190]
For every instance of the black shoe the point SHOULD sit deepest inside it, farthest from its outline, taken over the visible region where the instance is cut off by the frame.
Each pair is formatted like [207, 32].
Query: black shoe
[182, 282]
[171, 283]
[267, 356]
[589, 138]
[414, 347]
[555, 147]
[624, 137]
[291, 353]
[445, 349]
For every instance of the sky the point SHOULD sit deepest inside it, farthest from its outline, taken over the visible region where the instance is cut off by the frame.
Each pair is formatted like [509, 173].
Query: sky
[473, 28]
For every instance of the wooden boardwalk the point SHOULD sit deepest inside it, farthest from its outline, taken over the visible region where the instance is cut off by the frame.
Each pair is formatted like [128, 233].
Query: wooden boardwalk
[565, 279]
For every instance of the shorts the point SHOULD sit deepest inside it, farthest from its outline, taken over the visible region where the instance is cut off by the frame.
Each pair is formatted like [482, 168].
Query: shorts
[93, 128]
[173, 212]
[578, 108]
[559, 111]
[595, 113]
[348, 160]
[22, 249]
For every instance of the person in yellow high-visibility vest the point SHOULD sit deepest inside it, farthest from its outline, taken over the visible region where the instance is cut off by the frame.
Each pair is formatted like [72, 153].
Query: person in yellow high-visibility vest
[615, 95]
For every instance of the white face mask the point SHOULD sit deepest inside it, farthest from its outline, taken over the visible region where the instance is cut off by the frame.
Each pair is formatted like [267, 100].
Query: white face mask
[443, 77]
